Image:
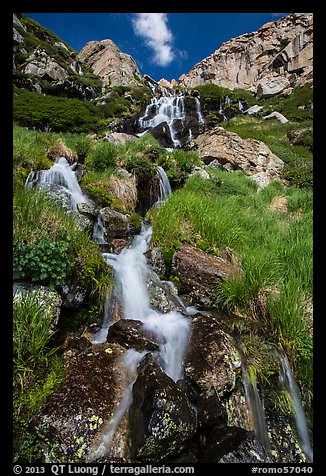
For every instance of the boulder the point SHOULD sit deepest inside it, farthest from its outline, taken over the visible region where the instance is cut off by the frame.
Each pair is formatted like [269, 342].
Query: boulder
[248, 451]
[199, 272]
[50, 299]
[253, 109]
[212, 362]
[278, 116]
[200, 171]
[163, 418]
[72, 294]
[70, 421]
[250, 155]
[129, 333]
[220, 442]
[117, 225]
[162, 134]
[262, 179]
[161, 295]
[272, 87]
[118, 137]
[88, 210]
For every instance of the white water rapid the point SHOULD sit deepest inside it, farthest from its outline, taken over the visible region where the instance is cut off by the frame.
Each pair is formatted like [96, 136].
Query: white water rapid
[61, 173]
[171, 329]
[166, 109]
[288, 380]
[99, 229]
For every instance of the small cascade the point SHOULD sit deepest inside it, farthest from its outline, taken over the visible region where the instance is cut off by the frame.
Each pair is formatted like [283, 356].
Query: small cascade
[165, 187]
[165, 109]
[99, 230]
[241, 107]
[256, 409]
[190, 137]
[288, 380]
[129, 362]
[221, 111]
[172, 329]
[61, 173]
[201, 119]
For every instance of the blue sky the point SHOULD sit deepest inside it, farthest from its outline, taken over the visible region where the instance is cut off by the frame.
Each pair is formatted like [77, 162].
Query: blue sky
[164, 45]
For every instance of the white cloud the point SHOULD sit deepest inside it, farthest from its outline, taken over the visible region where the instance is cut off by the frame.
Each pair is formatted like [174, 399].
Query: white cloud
[153, 28]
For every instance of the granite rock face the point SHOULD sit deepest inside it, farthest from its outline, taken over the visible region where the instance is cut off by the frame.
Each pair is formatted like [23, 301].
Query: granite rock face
[271, 60]
[107, 61]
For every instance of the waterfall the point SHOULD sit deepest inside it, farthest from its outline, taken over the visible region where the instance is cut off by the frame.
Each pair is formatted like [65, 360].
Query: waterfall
[201, 119]
[171, 329]
[241, 107]
[61, 173]
[99, 229]
[221, 111]
[256, 409]
[165, 187]
[167, 109]
[288, 380]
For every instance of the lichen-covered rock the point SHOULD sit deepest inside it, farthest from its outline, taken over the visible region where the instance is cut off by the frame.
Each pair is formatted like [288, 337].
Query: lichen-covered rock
[50, 299]
[163, 420]
[73, 416]
[72, 294]
[118, 137]
[199, 272]
[156, 261]
[117, 224]
[161, 295]
[212, 362]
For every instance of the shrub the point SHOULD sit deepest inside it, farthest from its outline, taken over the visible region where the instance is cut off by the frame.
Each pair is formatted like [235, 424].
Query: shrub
[33, 110]
[45, 261]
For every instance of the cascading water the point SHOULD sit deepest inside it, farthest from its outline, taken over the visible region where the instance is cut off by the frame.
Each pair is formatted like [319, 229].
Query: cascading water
[99, 230]
[256, 409]
[165, 187]
[166, 109]
[288, 380]
[199, 113]
[172, 329]
[61, 173]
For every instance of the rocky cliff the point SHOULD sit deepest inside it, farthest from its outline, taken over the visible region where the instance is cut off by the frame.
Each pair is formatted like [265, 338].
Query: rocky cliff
[44, 63]
[276, 57]
[110, 64]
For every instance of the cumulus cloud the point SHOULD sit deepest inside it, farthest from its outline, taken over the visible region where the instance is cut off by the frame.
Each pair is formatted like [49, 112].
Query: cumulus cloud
[154, 29]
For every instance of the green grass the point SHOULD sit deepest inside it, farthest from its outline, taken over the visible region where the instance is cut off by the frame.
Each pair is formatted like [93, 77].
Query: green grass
[37, 370]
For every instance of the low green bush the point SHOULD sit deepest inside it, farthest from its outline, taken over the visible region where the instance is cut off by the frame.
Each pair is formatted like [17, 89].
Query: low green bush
[102, 156]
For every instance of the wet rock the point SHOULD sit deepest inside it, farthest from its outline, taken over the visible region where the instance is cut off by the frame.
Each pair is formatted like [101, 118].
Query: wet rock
[199, 272]
[161, 295]
[90, 211]
[71, 419]
[162, 134]
[248, 451]
[163, 419]
[220, 442]
[118, 245]
[131, 335]
[212, 362]
[51, 300]
[156, 261]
